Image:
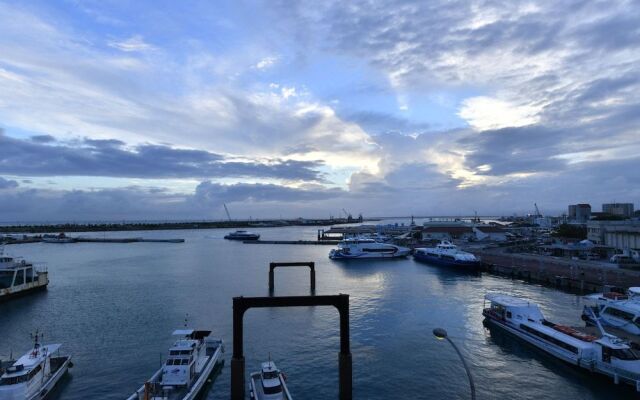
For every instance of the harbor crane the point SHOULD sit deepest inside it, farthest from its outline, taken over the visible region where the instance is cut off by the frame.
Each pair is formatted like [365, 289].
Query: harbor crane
[227, 211]
[538, 213]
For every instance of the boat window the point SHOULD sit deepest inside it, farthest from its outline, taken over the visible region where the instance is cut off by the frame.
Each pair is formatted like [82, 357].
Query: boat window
[625, 354]
[270, 375]
[6, 279]
[19, 278]
[34, 371]
[508, 314]
[185, 352]
[614, 312]
[272, 389]
[170, 361]
[13, 380]
[185, 361]
[549, 339]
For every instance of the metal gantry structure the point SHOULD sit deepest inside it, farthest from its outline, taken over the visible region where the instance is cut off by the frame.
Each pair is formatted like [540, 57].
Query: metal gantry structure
[310, 264]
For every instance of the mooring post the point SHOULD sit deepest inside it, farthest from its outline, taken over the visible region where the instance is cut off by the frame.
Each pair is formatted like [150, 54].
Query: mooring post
[312, 265]
[237, 361]
[344, 358]
[272, 266]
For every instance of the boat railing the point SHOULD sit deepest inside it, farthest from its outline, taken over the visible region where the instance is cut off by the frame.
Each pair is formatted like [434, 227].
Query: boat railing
[286, 389]
[40, 267]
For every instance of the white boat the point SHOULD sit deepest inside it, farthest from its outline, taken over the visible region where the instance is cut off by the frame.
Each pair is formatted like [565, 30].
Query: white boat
[448, 254]
[242, 235]
[367, 248]
[18, 277]
[615, 309]
[191, 361]
[35, 374]
[269, 384]
[607, 355]
[60, 238]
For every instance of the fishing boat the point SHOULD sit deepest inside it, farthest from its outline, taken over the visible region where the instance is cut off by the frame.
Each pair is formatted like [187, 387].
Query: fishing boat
[269, 384]
[18, 277]
[191, 361]
[607, 355]
[447, 254]
[60, 238]
[361, 248]
[35, 374]
[242, 235]
[614, 309]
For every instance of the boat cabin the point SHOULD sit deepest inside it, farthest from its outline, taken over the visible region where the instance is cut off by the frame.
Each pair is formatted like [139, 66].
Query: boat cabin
[180, 367]
[270, 377]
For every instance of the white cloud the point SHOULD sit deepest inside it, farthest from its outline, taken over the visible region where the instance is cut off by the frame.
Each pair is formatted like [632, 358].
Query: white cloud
[133, 44]
[266, 62]
[484, 113]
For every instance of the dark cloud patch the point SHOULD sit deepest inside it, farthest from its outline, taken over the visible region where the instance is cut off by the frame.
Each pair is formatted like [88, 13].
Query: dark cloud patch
[43, 139]
[110, 158]
[214, 193]
[7, 183]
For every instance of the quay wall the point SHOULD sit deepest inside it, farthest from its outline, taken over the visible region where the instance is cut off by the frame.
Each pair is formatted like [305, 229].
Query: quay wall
[571, 275]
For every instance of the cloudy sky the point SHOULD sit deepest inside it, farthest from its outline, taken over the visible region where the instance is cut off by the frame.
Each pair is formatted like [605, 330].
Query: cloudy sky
[167, 110]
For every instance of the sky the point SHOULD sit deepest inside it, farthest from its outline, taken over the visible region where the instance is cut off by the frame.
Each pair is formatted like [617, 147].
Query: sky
[114, 110]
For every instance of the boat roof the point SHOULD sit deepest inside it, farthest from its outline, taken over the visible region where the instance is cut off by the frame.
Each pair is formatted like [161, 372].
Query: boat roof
[28, 362]
[182, 332]
[269, 366]
[559, 335]
[507, 300]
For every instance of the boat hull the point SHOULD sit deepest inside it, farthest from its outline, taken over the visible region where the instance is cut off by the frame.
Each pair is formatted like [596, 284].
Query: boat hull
[11, 293]
[334, 255]
[472, 265]
[242, 238]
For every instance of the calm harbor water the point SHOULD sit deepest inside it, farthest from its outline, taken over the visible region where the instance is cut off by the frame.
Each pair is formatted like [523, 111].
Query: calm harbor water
[114, 306]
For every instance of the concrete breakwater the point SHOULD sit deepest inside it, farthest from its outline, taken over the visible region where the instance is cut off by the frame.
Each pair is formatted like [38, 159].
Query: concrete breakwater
[571, 275]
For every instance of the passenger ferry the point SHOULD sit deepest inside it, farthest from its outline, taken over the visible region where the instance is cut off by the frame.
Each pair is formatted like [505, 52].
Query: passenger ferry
[18, 277]
[35, 374]
[367, 248]
[446, 253]
[615, 309]
[269, 384]
[191, 361]
[242, 235]
[607, 355]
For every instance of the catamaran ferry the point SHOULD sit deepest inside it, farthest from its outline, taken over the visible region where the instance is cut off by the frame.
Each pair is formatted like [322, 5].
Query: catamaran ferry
[367, 248]
[607, 355]
[35, 374]
[191, 361]
[269, 384]
[18, 277]
[448, 254]
[615, 309]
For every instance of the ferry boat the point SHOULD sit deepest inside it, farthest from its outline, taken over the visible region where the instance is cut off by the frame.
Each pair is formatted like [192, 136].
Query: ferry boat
[269, 384]
[18, 277]
[607, 355]
[614, 309]
[367, 248]
[191, 361]
[448, 254]
[60, 238]
[242, 235]
[35, 374]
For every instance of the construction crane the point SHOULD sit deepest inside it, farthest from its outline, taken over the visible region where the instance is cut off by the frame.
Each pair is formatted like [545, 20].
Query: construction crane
[538, 213]
[227, 211]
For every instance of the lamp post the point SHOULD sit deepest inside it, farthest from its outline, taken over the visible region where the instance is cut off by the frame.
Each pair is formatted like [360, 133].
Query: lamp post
[440, 334]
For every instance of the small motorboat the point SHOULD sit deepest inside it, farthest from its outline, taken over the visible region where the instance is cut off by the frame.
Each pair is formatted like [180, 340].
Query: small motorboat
[191, 361]
[242, 235]
[269, 384]
[35, 374]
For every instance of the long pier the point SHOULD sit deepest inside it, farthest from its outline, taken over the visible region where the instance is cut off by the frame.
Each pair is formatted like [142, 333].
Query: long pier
[305, 242]
[570, 275]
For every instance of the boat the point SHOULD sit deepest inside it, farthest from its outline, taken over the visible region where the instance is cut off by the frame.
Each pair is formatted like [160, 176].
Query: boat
[18, 277]
[359, 248]
[614, 309]
[447, 254]
[269, 383]
[191, 360]
[35, 374]
[607, 355]
[242, 235]
[60, 238]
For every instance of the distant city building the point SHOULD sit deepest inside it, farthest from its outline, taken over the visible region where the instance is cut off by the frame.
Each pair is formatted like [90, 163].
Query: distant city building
[579, 212]
[448, 232]
[621, 209]
[621, 235]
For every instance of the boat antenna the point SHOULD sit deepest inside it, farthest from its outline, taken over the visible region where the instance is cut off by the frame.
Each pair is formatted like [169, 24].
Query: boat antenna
[36, 338]
[186, 319]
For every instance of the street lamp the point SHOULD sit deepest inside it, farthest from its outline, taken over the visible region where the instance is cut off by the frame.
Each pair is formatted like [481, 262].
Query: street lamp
[440, 334]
